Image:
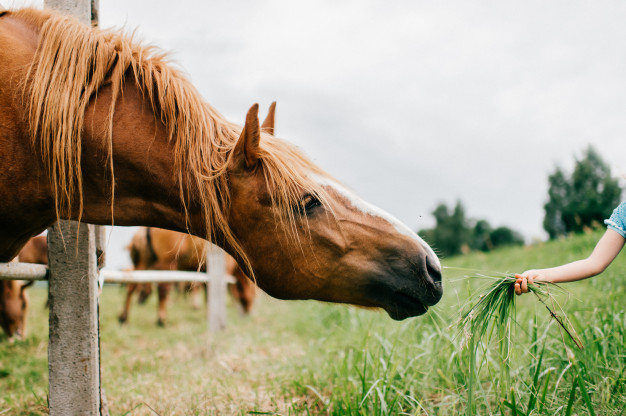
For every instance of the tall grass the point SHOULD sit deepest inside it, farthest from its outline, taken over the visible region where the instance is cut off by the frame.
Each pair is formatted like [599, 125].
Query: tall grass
[299, 358]
[493, 311]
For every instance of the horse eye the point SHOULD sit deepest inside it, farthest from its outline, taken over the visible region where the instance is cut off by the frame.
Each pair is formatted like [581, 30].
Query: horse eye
[309, 202]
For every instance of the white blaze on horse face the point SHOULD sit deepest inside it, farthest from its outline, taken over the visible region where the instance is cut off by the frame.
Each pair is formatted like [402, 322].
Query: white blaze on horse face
[369, 209]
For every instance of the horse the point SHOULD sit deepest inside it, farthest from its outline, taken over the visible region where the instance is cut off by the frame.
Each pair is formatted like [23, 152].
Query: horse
[14, 300]
[13, 308]
[101, 129]
[35, 251]
[159, 249]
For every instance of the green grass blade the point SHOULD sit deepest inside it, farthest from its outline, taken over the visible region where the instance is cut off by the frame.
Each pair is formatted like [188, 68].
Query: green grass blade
[619, 383]
[579, 377]
[513, 402]
[542, 402]
[572, 396]
[534, 388]
[512, 406]
[584, 393]
[471, 405]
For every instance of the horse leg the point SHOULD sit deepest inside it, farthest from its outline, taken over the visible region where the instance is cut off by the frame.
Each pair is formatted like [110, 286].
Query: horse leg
[164, 292]
[25, 301]
[180, 289]
[130, 289]
[244, 290]
[144, 293]
[194, 289]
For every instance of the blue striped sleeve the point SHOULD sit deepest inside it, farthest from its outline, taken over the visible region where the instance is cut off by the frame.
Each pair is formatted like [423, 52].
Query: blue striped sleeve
[617, 221]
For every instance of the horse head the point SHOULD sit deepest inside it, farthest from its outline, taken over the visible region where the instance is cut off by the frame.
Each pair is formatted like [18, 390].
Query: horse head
[13, 307]
[312, 238]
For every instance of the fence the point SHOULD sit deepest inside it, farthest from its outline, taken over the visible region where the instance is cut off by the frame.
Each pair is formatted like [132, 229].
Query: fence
[76, 257]
[74, 344]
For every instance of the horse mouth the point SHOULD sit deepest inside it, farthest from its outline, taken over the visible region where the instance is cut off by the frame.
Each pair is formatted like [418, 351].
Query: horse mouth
[404, 305]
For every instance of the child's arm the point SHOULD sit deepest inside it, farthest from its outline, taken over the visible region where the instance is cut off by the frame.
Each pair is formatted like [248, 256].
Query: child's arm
[603, 254]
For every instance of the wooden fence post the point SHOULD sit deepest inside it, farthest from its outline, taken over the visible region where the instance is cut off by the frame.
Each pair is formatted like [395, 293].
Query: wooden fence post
[73, 349]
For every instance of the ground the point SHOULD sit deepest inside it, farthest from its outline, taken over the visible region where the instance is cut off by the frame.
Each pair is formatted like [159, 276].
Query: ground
[306, 357]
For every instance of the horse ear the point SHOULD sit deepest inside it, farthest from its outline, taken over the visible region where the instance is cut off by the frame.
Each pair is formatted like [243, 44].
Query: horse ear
[268, 124]
[247, 146]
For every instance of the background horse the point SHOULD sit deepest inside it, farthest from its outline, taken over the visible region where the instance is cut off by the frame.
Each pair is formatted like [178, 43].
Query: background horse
[35, 251]
[14, 308]
[158, 249]
[14, 300]
[104, 130]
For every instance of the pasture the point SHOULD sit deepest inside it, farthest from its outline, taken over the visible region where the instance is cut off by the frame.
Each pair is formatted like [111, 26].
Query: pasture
[306, 357]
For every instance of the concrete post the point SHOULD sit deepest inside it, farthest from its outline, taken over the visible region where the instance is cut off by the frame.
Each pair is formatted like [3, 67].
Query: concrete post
[216, 287]
[73, 349]
[95, 10]
[80, 9]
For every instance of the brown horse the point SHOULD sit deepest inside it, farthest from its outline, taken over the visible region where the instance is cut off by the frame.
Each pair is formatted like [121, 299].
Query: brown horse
[159, 249]
[97, 128]
[35, 251]
[13, 308]
[13, 296]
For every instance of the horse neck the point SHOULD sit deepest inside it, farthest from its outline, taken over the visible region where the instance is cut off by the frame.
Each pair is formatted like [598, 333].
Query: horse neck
[147, 190]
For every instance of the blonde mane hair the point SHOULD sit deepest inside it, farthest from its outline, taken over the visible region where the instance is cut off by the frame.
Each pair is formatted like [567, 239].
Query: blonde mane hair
[73, 62]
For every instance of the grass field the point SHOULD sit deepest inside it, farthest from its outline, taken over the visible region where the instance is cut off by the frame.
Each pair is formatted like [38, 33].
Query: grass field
[314, 358]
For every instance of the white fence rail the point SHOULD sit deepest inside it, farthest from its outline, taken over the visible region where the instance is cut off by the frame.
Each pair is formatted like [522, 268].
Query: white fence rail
[39, 272]
[157, 276]
[23, 271]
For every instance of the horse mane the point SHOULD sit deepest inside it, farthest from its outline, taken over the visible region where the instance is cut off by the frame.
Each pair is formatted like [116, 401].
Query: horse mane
[74, 61]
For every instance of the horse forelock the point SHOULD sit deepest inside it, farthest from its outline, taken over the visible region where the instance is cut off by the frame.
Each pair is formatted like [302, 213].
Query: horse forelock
[73, 61]
[289, 175]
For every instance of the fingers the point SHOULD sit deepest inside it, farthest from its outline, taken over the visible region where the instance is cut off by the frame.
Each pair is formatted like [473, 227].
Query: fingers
[521, 284]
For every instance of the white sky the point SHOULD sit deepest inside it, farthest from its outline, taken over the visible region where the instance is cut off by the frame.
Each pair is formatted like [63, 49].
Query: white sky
[410, 103]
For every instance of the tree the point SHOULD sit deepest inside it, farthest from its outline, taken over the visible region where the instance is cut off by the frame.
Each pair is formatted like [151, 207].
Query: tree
[451, 231]
[481, 236]
[454, 231]
[558, 191]
[588, 196]
[504, 236]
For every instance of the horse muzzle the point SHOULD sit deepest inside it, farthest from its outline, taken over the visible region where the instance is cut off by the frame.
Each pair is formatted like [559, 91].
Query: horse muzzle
[419, 287]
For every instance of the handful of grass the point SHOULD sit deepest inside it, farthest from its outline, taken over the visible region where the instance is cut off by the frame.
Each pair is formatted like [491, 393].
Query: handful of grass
[495, 309]
[496, 305]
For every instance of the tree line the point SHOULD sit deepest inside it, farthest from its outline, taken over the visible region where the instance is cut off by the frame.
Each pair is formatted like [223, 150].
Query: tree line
[454, 233]
[576, 201]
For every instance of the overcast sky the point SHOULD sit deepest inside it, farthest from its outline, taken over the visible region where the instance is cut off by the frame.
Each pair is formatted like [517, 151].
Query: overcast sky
[410, 103]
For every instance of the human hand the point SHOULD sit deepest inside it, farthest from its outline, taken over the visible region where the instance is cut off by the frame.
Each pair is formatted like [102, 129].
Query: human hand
[524, 279]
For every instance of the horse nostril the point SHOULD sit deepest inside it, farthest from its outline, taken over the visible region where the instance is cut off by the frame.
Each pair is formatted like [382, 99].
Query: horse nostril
[433, 270]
